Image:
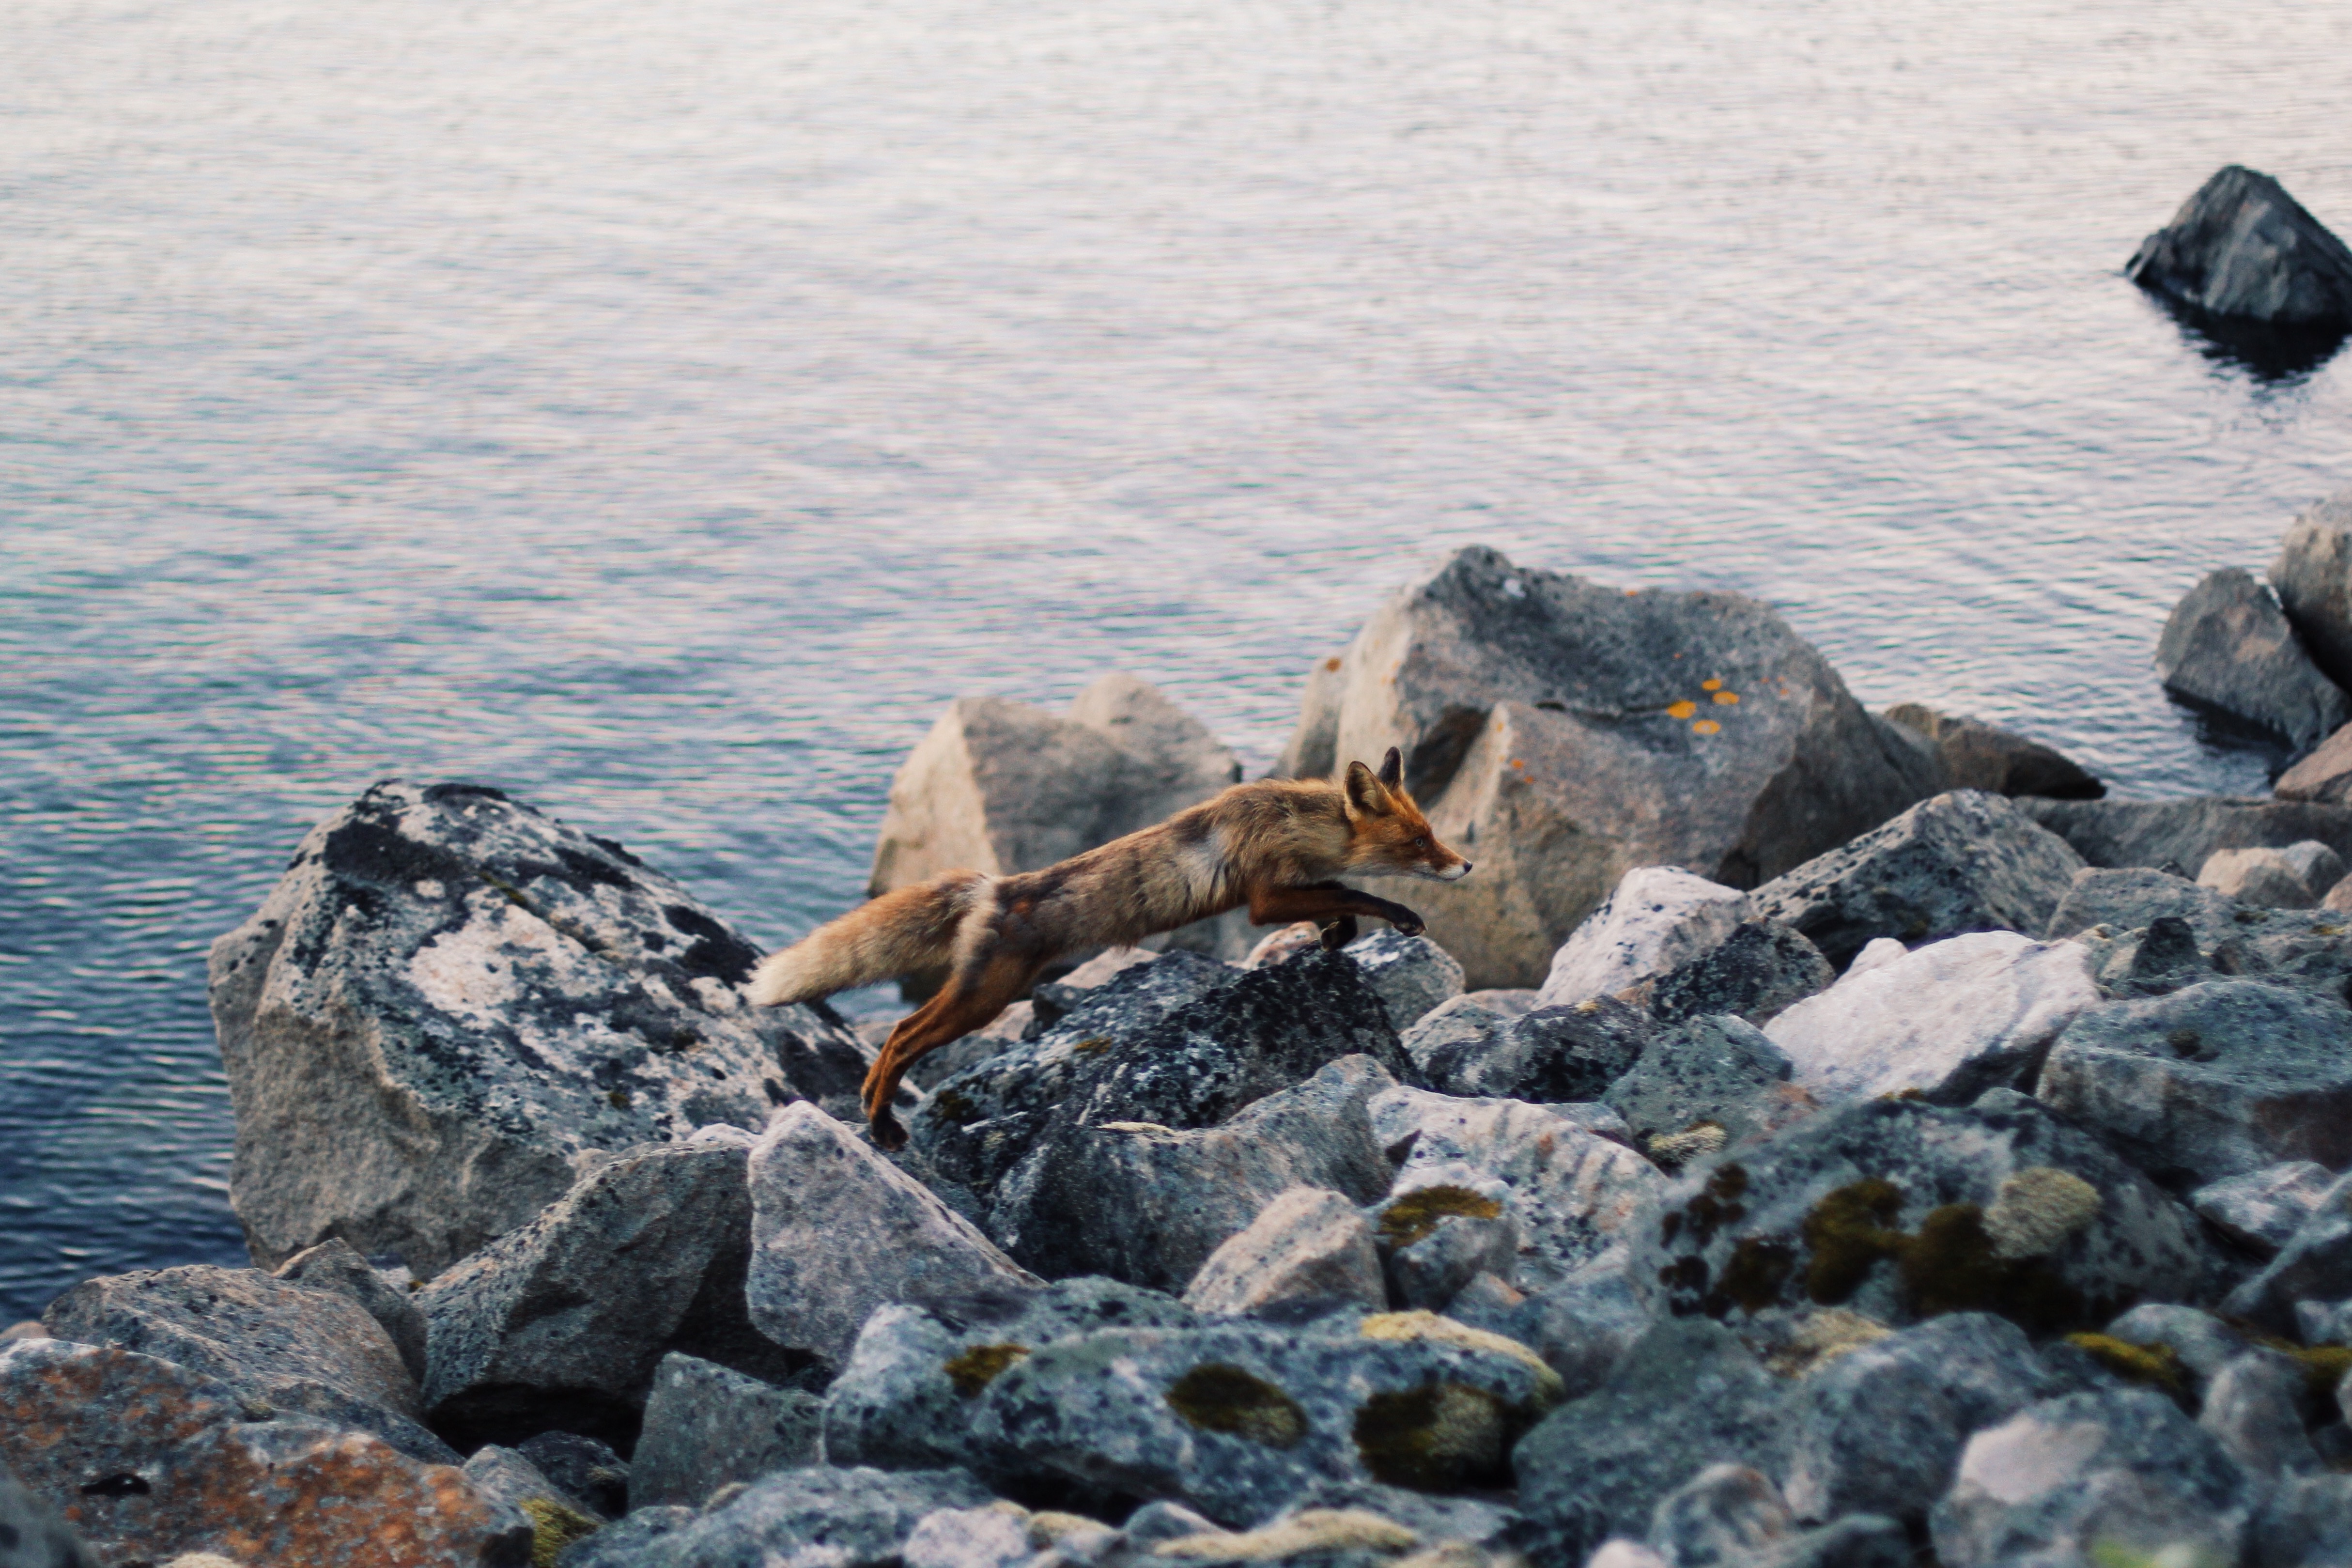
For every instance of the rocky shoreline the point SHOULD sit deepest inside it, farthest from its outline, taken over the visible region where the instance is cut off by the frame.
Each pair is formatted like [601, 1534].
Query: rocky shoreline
[1813, 1137]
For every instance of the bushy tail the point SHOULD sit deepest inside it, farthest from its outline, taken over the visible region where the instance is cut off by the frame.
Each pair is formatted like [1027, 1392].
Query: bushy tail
[904, 931]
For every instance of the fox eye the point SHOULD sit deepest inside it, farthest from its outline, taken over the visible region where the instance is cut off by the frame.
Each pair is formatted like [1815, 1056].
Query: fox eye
[1420, 843]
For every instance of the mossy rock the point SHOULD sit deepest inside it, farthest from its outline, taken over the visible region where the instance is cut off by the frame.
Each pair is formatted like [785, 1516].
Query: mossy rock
[1440, 1436]
[1412, 1217]
[555, 1526]
[1218, 1397]
[2156, 1366]
[974, 1369]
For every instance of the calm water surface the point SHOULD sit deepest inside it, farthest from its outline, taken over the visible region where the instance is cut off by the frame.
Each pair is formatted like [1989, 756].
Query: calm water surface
[660, 410]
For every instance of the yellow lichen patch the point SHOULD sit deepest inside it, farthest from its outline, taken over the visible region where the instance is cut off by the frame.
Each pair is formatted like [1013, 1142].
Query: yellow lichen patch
[1710, 684]
[1415, 1215]
[1216, 1397]
[553, 1527]
[2037, 1210]
[981, 1366]
[1725, 699]
[1447, 1332]
[1049, 1527]
[1676, 1150]
[1093, 1045]
[1706, 727]
[1332, 663]
[1821, 1339]
[2325, 1366]
[2156, 1366]
[1312, 1531]
[1682, 709]
[1434, 1437]
[1460, 1554]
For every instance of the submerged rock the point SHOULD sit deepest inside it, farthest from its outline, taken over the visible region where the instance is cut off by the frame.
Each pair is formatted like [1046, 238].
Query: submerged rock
[450, 996]
[1570, 732]
[2228, 647]
[1977, 755]
[2243, 248]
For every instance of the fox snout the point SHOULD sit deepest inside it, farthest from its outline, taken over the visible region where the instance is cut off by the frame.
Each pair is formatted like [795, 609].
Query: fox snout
[1453, 873]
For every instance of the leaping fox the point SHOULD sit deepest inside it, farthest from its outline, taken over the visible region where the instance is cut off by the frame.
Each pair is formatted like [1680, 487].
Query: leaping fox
[1278, 845]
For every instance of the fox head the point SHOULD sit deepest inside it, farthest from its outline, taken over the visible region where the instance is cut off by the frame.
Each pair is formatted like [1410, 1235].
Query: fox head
[1388, 833]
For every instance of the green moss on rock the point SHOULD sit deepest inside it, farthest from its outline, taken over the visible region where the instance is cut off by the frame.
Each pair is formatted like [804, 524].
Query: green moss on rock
[981, 1366]
[1848, 1232]
[1219, 1397]
[1415, 1215]
[1436, 1437]
[2152, 1366]
[553, 1527]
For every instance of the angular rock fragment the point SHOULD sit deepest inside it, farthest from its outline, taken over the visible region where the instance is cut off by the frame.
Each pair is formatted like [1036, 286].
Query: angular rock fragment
[1755, 974]
[1902, 1210]
[1410, 974]
[2305, 1519]
[2243, 248]
[837, 1230]
[1724, 1516]
[333, 1266]
[842, 1518]
[2295, 878]
[504, 1476]
[994, 1536]
[2313, 576]
[1977, 755]
[1947, 1021]
[2181, 834]
[303, 1352]
[1657, 917]
[1582, 1326]
[2315, 1265]
[585, 1470]
[2218, 1080]
[1148, 1203]
[2261, 1208]
[2253, 1407]
[2134, 898]
[2199, 1343]
[1716, 1072]
[562, 1323]
[1444, 1226]
[1964, 861]
[1308, 1242]
[623, 1543]
[2324, 777]
[1572, 730]
[2228, 647]
[1547, 1055]
[2119, 1471]
[450, 996]
[707, 1426]
[910, 1393]
[154, 1461]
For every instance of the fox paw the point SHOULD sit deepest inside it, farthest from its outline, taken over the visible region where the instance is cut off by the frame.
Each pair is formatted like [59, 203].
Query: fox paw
[889, 1134]
[1338, 933]
[1409, 926]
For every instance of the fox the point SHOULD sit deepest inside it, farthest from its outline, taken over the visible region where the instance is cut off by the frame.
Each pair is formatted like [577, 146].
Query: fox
[1278, 846]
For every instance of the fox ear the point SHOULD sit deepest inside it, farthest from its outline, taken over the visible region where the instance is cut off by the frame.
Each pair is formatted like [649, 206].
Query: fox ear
[1365, 795]
[1393, 768]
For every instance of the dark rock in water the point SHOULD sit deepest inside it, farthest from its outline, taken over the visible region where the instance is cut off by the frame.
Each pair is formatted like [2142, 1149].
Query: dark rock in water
[1241, 1421]
[2183, 833]
[1964, 861]
[1688, 1396]
[1146, 1203]
[152, 1460]
[2315, 1265]
[1902, 1211]
[333, 1266]
[2228, 647]
[842, 1518]
[587, 1471]
[1551, 1054]
[908, 1396]
[32, 1535]
[2241, 247]
[2087, 1474]
[448, 996]
[2218, 1080]
[562, 1322]
[300, 1350]
[1183, 1042]
[2313, 576]
[1714, 1071]
[1977, 755]
[705, 1426]
[1880, 1429]
[1761, 968]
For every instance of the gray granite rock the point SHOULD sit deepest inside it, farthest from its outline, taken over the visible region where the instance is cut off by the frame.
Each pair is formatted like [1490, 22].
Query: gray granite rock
[840, 1518]
[2181, 834]
[1879, 1429]
[837, 1230]
[2305, 1521]
[1964, 861]
[1947, 1021]
[1410, 974]
[1572, 1193]
[1546, 1054]
[622, 1544]
[2324, 777]
[2227, 648]
[448, 996]
[1308, 1242]
[1713, 1072]
[1902, 1210]
[2202, 1343]
[2131, 898]
[1570, 729]
[1438, 1237]
[1977, 755]
[2323, 1322]
[1581, 1326]
[1656, 918]
[2295, 878]
[706, 1426]
[1687, 1395]
[2241, 247]
[2261, 1208]
[33, 1534]
[1755, 974]
[2313, 576]
[334, 1266]
[1727, 1516]
[303, 1352]
[2120, 1471]
[995, 1535]
[1858, 1540]
[2315, 1265]
[2253, 1407]
[586, 1471]
[1241, 1421]
[1148, 1203]
[562, 1323]
[2218, 1080]
[908, 1397]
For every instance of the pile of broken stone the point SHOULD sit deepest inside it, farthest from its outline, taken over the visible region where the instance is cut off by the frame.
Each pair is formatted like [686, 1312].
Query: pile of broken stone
[1797, 1143]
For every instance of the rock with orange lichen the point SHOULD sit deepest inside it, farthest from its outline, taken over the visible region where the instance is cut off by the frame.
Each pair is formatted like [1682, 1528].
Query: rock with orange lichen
[149, 1461]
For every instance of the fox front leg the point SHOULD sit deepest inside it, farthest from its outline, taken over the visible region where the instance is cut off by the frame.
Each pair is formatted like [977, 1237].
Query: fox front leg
[1338, 933]
[1328, 902]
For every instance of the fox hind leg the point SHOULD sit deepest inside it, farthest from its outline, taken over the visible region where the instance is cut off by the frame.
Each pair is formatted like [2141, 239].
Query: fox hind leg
[971, 999]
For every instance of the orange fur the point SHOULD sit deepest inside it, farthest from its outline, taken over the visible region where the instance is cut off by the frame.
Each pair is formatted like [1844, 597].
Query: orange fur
[1277, 845]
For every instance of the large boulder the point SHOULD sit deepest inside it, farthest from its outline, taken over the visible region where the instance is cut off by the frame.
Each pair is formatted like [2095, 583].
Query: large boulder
[1758, 972]
[149, 1460]
[2181, 834]
[1974, 755]
[2313, 576]
[1902, 1210]
[563, 1322]
[2294, 878]
[1966, 861]
[300, 1350]
[2228, 647]
[450, 996]
[1571, 731]
[1711, 1073]
[2218, 1080]
[2241, 247]
[1002, 786]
